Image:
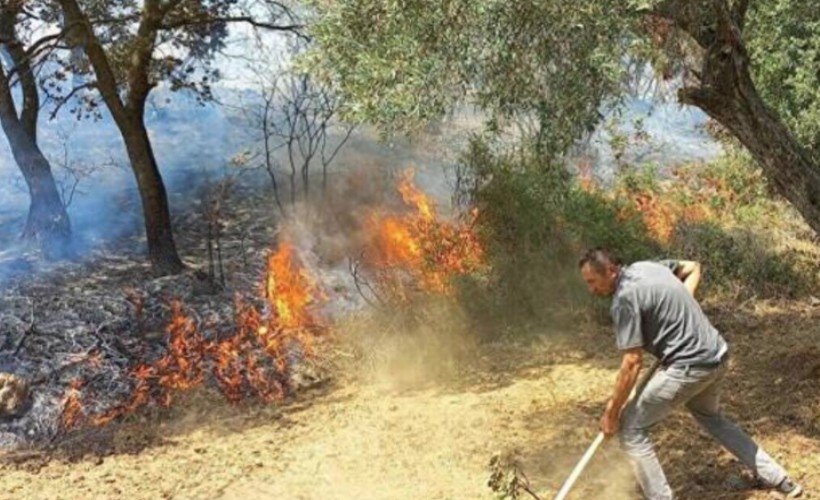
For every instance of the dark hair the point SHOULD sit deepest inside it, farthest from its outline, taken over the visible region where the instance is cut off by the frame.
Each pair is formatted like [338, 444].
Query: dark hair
[598, 258]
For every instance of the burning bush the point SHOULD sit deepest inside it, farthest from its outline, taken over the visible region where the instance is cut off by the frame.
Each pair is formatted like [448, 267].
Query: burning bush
[418, 250]
[406, 250]
[254, 359]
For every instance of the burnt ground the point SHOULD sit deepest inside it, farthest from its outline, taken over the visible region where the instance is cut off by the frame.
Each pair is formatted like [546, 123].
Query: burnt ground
[367, 430]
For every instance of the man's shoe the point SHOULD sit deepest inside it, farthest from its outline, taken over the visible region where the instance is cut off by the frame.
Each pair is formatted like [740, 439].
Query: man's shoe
[789, 488]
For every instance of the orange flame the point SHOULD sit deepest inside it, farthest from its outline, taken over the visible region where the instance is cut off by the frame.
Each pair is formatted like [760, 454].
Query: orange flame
[182, 367]
[659, 216]
[419, 249]
[415, 198]
[73, 412]
[411, 250]
[288, 288]
[254, 359]
[662, 207]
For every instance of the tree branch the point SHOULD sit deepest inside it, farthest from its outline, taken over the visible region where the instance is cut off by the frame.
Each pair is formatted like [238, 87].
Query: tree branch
[31, 97]
[106, 80]
[35, 47]
[64, 100]
[181, 23]
[701, 97]
[143, 50]
[8, 111]
[725, 22]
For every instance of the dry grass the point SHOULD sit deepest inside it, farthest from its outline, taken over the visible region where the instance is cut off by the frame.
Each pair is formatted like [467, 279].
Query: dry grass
[384, 430]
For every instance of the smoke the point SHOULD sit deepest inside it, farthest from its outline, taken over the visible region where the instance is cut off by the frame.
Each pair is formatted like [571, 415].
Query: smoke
[658, 133]
[192, 144]
[405, 342]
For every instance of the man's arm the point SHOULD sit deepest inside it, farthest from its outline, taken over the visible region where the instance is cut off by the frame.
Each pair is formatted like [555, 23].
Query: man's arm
[689, 272]
[625, 382]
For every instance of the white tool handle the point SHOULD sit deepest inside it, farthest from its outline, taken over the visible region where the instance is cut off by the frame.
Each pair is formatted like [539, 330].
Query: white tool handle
[576, 472]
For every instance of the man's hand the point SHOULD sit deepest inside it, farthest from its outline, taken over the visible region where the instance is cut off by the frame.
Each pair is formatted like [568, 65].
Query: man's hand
[610, 420]
[689, 272]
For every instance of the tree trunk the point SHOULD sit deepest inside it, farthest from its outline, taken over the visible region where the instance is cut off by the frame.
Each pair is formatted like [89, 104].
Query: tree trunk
[727, 93]
[161, 247]
[270, 166]
[292, 172]
[129, 119]
[47, 223]
[306, 179]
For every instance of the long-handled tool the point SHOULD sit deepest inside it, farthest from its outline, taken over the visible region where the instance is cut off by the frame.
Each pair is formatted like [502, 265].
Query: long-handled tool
[599, 439]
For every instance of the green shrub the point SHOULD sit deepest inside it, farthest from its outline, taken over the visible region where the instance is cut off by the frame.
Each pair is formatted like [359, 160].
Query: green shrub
[535, 223]
[535, 220]
[739, 262]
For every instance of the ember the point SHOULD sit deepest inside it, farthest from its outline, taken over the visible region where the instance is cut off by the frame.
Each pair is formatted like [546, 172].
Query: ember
[73, 412]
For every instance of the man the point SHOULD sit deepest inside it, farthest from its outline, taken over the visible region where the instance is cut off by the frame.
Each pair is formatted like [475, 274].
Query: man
[654, 310]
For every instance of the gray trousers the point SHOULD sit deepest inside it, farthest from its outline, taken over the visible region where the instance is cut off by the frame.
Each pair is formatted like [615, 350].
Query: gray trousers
[699, 390]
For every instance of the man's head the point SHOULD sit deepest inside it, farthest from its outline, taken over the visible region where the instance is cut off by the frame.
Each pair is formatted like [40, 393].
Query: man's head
[600, 269]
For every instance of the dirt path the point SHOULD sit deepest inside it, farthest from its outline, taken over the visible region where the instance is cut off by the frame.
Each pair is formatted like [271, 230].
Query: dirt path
[426, 441]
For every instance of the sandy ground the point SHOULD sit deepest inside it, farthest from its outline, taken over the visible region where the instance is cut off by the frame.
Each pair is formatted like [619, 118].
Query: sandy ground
[368, 434]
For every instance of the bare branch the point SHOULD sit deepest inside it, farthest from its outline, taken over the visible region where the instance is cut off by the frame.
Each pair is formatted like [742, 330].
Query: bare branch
[359, 282]
[107, 81]
[63, 100]
[329, 160]
[181, 23]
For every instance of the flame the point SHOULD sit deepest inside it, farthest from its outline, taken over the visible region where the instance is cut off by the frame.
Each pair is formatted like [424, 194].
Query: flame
[586, 178]
[692, 197]
[415, 198]
[182, 367]
[73, 412]
[659, 216]
[417, 248]
[289, 289]
[254, 359]
[411, 250]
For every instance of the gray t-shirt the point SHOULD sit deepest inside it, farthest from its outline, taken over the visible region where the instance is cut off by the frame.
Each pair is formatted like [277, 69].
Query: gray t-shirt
[651, 308]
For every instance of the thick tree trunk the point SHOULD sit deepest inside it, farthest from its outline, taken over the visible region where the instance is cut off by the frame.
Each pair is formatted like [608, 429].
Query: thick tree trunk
[728, 94]
[783, 160]
[129, 118]
[47, 223]
[161, 247]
